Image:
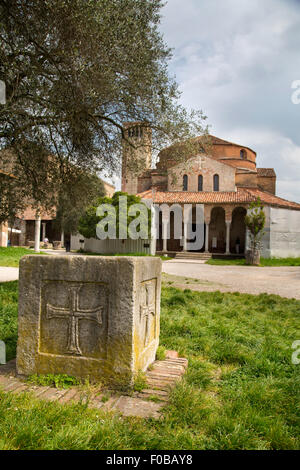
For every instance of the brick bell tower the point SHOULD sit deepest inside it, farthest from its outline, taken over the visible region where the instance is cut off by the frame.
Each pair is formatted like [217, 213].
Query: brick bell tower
[137, 154]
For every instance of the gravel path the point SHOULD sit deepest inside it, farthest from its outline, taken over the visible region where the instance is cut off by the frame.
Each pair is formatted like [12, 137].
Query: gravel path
[8, 274]
[283, 281]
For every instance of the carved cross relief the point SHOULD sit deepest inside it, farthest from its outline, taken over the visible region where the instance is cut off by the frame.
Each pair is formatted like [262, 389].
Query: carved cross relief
[73, 315]
[148, 311]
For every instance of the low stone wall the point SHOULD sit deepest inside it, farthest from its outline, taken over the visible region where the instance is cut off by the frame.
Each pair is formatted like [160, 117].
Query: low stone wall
[111, 246]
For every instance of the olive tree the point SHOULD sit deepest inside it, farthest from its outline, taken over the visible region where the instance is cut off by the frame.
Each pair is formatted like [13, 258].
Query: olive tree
[255, 222]
[75, 71]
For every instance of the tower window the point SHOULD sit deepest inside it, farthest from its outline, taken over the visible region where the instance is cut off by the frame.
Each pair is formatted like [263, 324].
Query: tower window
[243, 154]
[200, 183]
[136, 131]
[185, 182]
[216, 182]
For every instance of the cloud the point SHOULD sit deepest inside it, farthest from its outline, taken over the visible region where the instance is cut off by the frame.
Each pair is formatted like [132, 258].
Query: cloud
[236, 60]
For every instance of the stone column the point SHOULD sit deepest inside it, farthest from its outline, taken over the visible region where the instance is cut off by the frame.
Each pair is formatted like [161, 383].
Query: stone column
[228, 224]
[165, 236]
[3, 234]
[165, 222]
[207, 236]
[153, 234]
[44, 231]
[62, 238]
[184, 247]
[246, 240]
[37, 233]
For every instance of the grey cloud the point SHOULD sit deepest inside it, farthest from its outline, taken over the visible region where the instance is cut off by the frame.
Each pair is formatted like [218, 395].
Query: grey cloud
[236, 60]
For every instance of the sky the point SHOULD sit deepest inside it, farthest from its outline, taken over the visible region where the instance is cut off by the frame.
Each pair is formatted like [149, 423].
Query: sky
[237, 60]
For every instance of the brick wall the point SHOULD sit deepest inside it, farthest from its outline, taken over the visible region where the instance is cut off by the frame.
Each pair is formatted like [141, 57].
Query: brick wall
[205, 166]
[267, 184]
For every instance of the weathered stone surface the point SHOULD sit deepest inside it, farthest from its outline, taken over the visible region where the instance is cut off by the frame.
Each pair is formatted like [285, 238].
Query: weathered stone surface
[171, 354]
[88, 316]
[130, 406]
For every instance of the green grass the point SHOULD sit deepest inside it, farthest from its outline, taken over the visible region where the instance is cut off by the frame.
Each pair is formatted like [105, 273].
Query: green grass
[88, 253]
[11, 255]
[9, 316]
[263, 262]
[54, 380]
[241, 390]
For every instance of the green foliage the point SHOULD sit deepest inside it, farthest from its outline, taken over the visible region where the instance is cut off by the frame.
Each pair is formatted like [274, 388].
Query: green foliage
[88, 222]
[255, 221]
[9, 317]
[140, 382]
[75, 71]
[54, 380]
[241, 390]
[161, 353]
[75, 195]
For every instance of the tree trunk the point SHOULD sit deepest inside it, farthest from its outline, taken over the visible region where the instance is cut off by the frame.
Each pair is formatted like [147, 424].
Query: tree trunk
[253, 257]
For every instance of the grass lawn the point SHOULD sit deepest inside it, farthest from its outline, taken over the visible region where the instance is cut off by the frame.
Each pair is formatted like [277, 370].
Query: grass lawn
[11, 255]
[164, 258]
[263, 262]
[241, 390]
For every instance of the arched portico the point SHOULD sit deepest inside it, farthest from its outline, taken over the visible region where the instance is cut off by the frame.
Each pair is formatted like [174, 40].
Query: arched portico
[224, 231]
[217, 231]
[238, 231]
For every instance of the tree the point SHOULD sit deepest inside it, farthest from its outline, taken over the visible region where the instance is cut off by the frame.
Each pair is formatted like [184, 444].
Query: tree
[80, 190]
[89, 221]
[75, 71]
[255, 222]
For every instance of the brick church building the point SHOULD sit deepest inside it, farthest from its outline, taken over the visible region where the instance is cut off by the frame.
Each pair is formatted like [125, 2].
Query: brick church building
[224, 177]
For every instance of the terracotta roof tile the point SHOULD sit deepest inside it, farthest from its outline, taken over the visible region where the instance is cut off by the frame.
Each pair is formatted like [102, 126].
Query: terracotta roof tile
[267, 172]
[242, 195]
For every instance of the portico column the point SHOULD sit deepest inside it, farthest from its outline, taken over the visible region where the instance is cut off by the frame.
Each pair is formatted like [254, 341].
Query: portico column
[246, 240]
[62, 239]
[44, 231]
[37, 233]
[165, 234]
[228, 224]
[206, 236]
[184, 237]
[153, 234]
[3, 234]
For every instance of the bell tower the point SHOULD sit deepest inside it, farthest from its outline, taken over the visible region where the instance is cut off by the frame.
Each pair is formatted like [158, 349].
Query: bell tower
[137, 154]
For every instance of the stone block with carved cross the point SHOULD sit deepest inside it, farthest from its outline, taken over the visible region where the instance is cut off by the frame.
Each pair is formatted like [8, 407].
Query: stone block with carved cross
[88, 316]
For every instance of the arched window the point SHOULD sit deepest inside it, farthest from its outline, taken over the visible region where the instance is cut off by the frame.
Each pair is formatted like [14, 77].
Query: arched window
[185, 182]
[243, 154]
[216, 182]
[200, 183]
